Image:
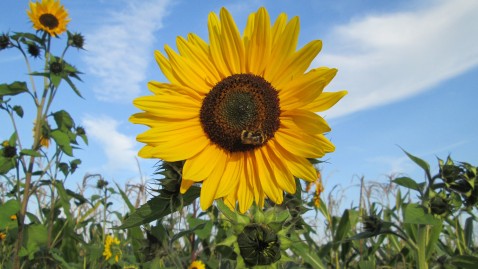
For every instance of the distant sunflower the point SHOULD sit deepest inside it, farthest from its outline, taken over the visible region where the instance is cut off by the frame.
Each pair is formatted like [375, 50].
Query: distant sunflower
[197, 265]
[240, 110]
[49, 16]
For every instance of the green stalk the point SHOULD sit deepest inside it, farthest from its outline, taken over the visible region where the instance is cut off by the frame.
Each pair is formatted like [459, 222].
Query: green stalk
[422, 247]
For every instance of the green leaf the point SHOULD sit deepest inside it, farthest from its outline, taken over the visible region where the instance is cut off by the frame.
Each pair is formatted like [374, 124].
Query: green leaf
[9, 208]
[64, 199]
[6, 164]
[423, 164]
[15, 88]
[125, 199]
[63, 141]
[18, 110]
[407, 183]
[36, 236]
[159, 207]
[465, 261]
[202, 233]
[187, 232]
[302, 250]
[30, 152]
[434, 235]
[19, 36]
[63, 120]
[73, 87]
[55, 79]
[343, 228]
[416, 214]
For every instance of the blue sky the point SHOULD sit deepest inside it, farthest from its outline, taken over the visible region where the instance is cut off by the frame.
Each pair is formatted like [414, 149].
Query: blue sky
[410, 68]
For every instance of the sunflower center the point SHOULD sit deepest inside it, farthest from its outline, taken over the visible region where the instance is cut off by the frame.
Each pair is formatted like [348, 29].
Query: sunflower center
[49, 21]
[241, 113]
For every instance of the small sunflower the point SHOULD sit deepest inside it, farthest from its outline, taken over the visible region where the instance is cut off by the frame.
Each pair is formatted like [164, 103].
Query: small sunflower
[49, 16]
[197, 265]
[240, 110]
[112, 248]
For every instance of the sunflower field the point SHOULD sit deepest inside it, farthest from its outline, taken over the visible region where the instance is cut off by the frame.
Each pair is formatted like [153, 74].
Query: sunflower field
[238, 140]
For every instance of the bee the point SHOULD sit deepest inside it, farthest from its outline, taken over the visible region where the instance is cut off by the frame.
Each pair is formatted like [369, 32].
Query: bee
[252, 137]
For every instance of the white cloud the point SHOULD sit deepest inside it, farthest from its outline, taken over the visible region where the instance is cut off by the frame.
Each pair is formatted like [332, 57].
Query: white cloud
[119, 148]
[119, 51]
[382, 59]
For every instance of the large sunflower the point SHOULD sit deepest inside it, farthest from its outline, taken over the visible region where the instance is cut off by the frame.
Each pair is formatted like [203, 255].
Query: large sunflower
[49, 16]
[240, 110]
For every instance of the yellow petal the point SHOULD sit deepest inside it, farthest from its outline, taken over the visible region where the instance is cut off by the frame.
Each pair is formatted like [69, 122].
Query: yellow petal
[230, 200]
[179, 145]
[187, 73]
[277, 29]
[297, 63]
[200, 166]
[231, 43]
[284, 45]
[266, 174]
[244, 195]
[299, 143]
[282, 176]
[214, 28]
[165, 67]
[298, 166]
[305, 88]
[169, 106]
[325, 101]
[185, 185]
[305, 121]
[200, 59]
[258, 48]
[211, 184]
[159, 88]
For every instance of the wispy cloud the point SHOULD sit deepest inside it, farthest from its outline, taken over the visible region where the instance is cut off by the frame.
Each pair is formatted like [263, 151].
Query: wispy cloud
[119, 51]
[119, 148]
[382, 59]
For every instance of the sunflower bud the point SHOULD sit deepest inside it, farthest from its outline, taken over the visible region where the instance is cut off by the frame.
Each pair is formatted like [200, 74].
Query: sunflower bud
[439, 206]
[8, 151]
[259, 245]
[372, 224]
[80, 130]
[4, 41]
[101, 183]
[76, 40]
[33, 50]
[56, 68]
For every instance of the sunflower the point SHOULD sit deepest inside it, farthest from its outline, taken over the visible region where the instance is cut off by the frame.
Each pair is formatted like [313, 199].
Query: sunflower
[240, 111]
[197, 265]
[49, 16]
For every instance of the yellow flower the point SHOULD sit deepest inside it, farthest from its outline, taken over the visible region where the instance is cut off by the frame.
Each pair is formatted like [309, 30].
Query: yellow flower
[13, 217]
[49, 16]
[240, 111]
[319, 188]
[2, 236]
[197, 265]
[112, 248]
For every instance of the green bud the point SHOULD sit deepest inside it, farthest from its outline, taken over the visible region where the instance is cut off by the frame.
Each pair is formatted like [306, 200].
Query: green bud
[372, 224]
[259, 245]
[56, 68]
[33, 50]
[101, 184]
[439, 206]
[8, 151]
[4, 41]
[76, 40]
